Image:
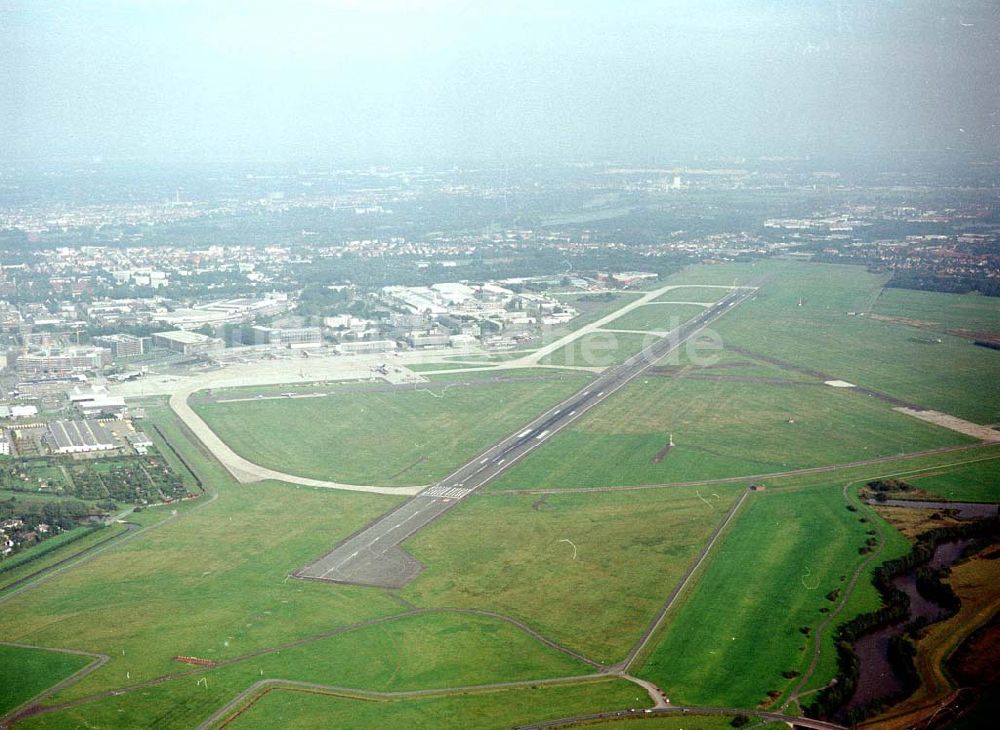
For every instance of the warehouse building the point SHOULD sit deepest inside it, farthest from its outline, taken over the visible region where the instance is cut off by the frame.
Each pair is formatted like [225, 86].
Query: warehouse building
[186, 342]
[77, 437]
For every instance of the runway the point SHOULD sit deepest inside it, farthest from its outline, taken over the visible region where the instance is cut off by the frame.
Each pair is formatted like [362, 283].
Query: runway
[373, 556]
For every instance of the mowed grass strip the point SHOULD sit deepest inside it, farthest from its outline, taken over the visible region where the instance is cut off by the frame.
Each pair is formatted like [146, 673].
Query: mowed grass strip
[655, 317]
[705, 294]
[738, 628]
[720, 429]
[399, 437]
[588, 571]
[26, 672]
[599, 349]
[498, 709]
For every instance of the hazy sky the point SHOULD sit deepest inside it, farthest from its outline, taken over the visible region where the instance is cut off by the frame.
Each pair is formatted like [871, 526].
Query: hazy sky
[382, 80]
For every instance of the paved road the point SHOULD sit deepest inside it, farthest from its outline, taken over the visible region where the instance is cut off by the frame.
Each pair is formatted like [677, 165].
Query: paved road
[373, 557]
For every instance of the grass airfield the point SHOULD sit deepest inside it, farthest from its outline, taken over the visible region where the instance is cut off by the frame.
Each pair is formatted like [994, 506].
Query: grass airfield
[412, 435]
[555, 570]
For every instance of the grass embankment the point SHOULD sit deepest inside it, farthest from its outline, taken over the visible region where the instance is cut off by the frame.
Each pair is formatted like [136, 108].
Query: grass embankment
[590, 571]
[393, 437]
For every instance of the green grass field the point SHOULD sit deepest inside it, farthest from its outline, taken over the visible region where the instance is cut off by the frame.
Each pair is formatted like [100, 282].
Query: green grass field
[720, 429]
[704, 356]
[64, 550]
[734, 633]
[939, 311]
[802, 315]
[973, 483]
[510, 554]
[391, 437]
[424, 651]
[599, 349]
[185, 702]
[482, 710]
[26, 672]
[706, 294]
[655, 317]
